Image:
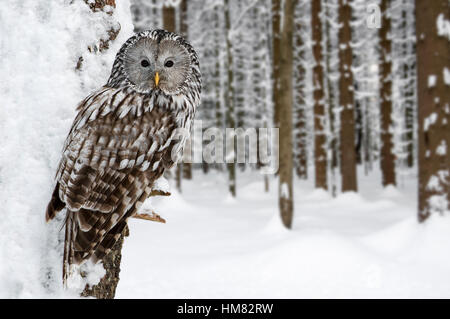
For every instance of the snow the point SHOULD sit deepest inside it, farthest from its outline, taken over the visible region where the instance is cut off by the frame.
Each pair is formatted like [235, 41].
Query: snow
[355, 245]
[39, 90]
[162, 185]
[443, 26]
[284, 191]
[442, 148]
[446, 76]
[213, 245]
[432, 79]
[429, 120]
[94, 273]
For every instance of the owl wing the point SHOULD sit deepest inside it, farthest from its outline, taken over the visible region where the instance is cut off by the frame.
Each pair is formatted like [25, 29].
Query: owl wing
[117, 147]
[114, 133]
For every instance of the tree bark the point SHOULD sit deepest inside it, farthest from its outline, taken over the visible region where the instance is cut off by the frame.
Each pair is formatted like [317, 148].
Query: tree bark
[346, 101]
[283, 103]
[218, 74]
[433, 52]
[409, 88]
[387, 159]
[301, 153]
[169, 18]
[276, 7]
[185, 167]
[169, 22]
[183, 18]
[229, 102]
[106, 288]
[320, 138]
[333, 142]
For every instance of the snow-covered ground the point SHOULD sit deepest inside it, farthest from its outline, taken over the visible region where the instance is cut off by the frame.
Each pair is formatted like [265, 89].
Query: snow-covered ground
[360, 246]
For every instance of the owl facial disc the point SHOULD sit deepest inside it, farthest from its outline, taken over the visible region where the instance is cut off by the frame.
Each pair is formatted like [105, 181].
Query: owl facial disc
[162, 63]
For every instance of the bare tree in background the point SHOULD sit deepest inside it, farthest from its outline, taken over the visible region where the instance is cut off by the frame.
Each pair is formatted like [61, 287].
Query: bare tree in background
[300, 119]
[183, 30]
[276, 36]
[229, 101]
[283, 97]
[387, 159]
[169, 19]
[320, 138]
[433, 52]
[346, 100]
[169, 24]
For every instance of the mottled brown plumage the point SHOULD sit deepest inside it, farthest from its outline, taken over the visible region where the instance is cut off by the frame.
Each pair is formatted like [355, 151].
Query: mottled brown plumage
[124, 136]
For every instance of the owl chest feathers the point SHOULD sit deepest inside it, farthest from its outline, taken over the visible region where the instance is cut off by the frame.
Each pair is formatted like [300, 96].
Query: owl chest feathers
[120, 129]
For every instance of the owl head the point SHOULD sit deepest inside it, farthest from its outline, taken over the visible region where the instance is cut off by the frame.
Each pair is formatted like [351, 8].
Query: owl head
[155, 61]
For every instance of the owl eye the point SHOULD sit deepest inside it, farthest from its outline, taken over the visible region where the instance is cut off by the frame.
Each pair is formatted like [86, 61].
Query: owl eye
[168, 64]
[145, 63]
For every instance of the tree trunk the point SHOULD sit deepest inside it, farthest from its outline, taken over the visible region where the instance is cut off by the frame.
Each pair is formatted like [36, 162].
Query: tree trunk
[346, 101]
[387, 159]
[183, 18]
[320, 138]
[331, 102]
[229, 103]
[106, 288]
[283, 103]
[218, 74]
[276, 7]
[169, 22]
[185, 167]
[169, 18]
[433, 51]
[409, 88]
[301, 152]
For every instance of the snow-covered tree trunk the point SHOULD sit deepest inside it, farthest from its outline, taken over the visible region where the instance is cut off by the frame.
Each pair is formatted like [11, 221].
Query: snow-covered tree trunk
[320, 137]
[276, 35]
[433, 51]
[229, 103]
[183, 30]
[346, 99]
[218, 71]
[283, 103]
[300, 119]
[409, 76]
[387, 159]
[331, 90]
[146, 14]
[106, 288]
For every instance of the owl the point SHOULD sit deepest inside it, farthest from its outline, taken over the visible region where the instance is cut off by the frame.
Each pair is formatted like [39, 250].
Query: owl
[124, 136]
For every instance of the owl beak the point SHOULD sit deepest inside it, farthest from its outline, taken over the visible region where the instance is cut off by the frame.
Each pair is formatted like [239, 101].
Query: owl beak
[156, 79]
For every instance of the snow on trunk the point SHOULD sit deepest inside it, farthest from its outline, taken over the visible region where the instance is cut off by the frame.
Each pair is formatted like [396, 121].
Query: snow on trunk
[43, 79]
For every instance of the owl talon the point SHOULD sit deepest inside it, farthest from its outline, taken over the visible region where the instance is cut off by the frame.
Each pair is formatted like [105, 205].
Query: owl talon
[152, 217]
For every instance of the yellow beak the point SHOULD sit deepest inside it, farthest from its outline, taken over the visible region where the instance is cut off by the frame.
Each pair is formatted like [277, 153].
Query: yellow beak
[156, 79]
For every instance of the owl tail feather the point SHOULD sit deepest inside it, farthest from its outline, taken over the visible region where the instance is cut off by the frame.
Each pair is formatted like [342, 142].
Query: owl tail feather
[85, 248]
[68, 247]
[55, 205]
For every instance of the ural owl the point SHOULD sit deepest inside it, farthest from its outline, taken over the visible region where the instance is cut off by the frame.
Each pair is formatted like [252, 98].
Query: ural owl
[122, 140]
